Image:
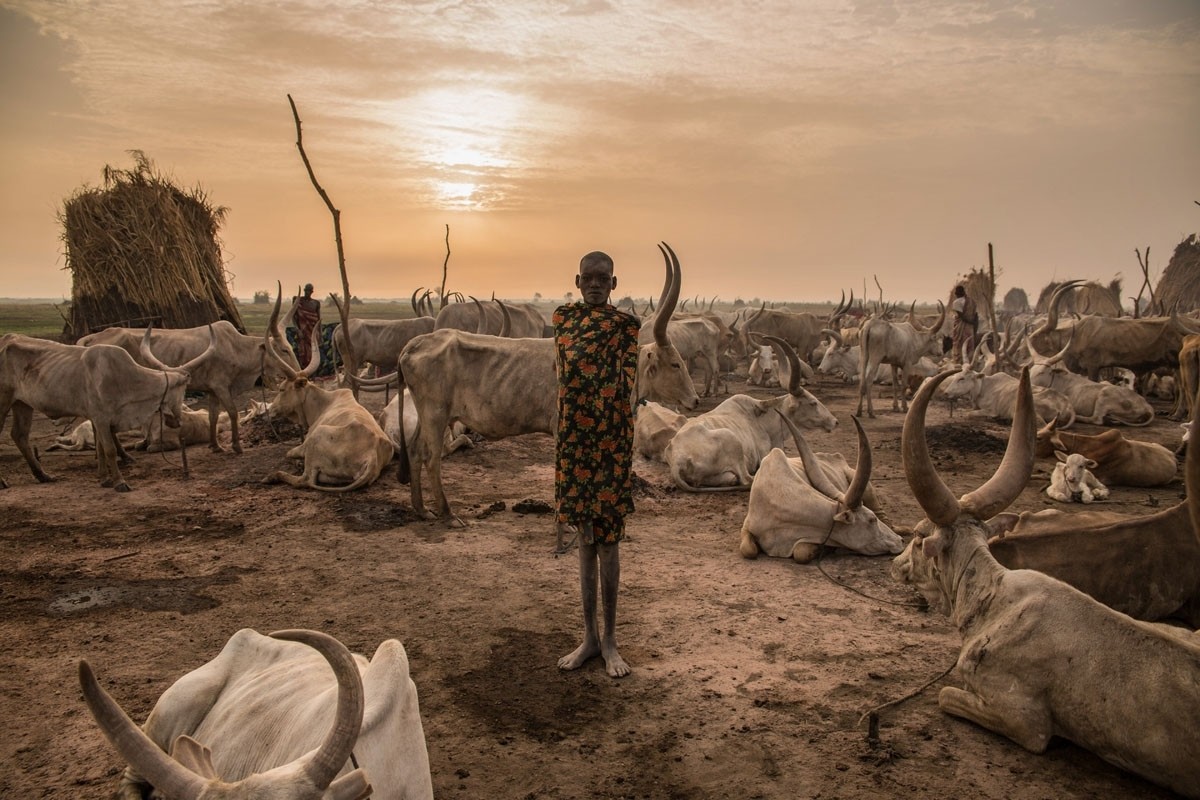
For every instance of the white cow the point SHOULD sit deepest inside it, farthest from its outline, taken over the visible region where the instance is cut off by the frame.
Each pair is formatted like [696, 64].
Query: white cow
[653, 429]
[799, 505]
[267, 719]
[1072, 480]
[81, 437]
[344, 448]
[721, 449]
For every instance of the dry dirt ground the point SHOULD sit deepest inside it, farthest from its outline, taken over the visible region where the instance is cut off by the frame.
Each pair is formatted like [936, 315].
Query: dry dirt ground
[750, 678]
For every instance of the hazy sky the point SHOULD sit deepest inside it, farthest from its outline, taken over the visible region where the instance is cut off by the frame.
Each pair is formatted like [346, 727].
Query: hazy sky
[785, 149]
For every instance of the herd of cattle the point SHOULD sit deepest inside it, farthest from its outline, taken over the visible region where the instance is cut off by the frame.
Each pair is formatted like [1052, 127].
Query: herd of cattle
[1041, 595]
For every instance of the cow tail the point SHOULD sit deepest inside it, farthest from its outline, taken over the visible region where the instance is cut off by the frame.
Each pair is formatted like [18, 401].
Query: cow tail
[403, 466]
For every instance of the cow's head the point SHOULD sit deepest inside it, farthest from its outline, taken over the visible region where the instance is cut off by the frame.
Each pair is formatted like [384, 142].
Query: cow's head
[188, 772]
[949, 518]
[965, 383]
[798, 405]
[662, 373]
[1073, 469]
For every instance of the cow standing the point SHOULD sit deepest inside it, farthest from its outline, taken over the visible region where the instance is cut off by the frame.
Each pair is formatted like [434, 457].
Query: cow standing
[102, 383]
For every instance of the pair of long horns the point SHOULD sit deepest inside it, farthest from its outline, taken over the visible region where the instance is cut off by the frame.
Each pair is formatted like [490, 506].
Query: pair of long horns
[176, 780]
[670, 295]
[273, 334]
[1010, 478]
[187, 367]
[853, 496]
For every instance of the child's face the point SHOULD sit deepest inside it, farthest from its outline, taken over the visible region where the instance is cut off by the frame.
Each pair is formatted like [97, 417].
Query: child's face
[595, 282]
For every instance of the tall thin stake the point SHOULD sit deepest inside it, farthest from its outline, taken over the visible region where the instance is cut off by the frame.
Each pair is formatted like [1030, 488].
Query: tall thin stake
[343, 308]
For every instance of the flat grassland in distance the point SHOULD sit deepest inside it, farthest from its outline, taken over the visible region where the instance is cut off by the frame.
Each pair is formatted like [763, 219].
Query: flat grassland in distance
[45, 318]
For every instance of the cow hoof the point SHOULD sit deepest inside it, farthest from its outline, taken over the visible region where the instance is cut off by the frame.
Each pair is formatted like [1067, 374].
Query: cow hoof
[237, 449]
[42, 478]
[122, 487]
[804, 552]
[748, 547]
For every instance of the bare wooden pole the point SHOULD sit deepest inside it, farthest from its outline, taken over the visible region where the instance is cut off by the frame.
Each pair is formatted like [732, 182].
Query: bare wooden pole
[344, 307]
[445, 266]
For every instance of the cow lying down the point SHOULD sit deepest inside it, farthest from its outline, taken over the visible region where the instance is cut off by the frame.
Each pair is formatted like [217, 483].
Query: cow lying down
[1039, 658]
[1072, 480]
[268, 718]
[798, 505]
[344, 448]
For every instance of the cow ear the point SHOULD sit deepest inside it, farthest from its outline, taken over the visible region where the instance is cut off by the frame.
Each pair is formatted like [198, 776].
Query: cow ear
[1090, 464]
[1060, 455]
[193, 755]
[843, 515]
[932, 546]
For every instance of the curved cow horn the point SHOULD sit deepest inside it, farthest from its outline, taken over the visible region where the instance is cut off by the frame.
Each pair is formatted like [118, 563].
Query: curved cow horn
[1052, 309]
[189, 366]
[834, 336]
[812, 467]
[163, 772]
[269, 341]
[506, 322]
[793, 362]
[314, 358]
[936, 500]
[862, 469]
[1015, 468]
[413, 301]
[148, 355]
[481, 325]
[339, 742]
[670, 296]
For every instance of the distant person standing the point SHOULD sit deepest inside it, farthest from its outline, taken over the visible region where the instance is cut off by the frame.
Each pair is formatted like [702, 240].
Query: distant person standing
[308, 317]
[966, 323]
[596, 354]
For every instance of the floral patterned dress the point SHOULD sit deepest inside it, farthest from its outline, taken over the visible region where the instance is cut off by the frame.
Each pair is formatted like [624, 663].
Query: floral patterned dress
[596, 349]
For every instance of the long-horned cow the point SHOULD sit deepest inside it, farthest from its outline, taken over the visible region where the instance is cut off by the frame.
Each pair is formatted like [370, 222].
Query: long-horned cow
[899, 345]
[1095, 402]
[799, 505]
[508, 387]
[102, 383]
[1096, 342]
[1040, 658]
[290, 716]
[526, 321]
[344, 448]
[238, 363]
[721, 449]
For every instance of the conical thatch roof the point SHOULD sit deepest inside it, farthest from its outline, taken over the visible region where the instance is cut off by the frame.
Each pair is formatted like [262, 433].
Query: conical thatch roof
[1179, 286]
[141, 250]
[1087, 298]
[1016, 301]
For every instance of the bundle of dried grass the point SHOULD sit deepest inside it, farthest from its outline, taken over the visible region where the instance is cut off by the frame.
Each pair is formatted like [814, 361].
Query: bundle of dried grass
[142, 251]
[1179, 286]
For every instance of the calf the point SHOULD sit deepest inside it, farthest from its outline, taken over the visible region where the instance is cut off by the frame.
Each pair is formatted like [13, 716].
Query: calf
[1072, 480]
[1039, 658]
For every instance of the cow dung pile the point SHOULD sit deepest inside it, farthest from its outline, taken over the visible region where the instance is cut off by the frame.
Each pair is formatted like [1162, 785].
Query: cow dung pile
[142, 251]
[962, 437]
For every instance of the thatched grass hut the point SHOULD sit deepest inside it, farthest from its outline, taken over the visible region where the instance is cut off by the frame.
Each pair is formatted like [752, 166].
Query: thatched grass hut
[143, 251]
[1015, 302]
[1179, 286]
[1087, 298]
